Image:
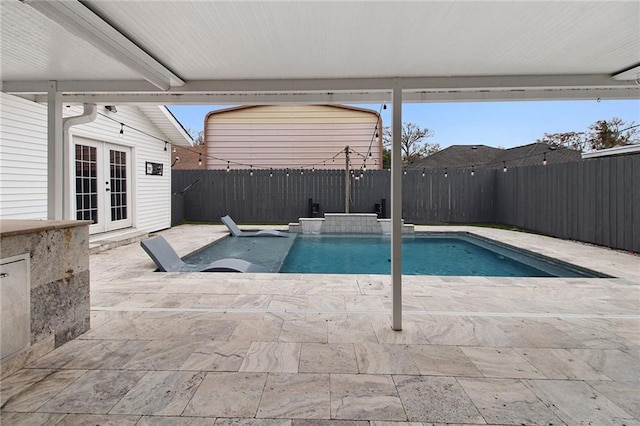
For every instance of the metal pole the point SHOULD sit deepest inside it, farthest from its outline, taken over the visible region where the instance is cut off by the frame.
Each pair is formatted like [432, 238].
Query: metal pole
[396, 209]
[55, 153]
[347, 181]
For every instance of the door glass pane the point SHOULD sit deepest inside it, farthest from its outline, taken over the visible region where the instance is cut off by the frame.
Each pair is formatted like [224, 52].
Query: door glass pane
[86, 183]
[118, 171]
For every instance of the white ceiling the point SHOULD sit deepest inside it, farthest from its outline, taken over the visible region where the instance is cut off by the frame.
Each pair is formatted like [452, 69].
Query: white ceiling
[322, 51]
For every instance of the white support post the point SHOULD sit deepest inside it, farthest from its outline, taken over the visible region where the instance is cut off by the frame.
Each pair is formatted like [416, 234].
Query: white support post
[396, 208]
[55, 153]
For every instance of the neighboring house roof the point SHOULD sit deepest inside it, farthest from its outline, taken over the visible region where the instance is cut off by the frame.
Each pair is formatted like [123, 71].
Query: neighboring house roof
[167, 123]
[616, 150]
[481, 156]
[533, 154]
[243, 107]
[458, 156]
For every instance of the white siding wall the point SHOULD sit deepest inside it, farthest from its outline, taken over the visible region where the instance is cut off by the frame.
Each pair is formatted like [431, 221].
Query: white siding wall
[23, 158]
[151, 194]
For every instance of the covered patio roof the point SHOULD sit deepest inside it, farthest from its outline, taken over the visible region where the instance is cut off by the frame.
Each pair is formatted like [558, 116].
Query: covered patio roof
[266, 52]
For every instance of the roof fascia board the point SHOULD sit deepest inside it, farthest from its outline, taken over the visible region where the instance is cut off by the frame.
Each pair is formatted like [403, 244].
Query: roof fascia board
[348, 97]
[629, 74]
[81, 21]
[173, 120]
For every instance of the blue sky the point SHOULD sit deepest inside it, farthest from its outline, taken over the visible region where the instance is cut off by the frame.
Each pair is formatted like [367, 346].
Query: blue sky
[497, 124]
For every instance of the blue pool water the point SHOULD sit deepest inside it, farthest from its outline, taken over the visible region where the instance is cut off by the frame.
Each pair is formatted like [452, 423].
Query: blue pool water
[457, 254]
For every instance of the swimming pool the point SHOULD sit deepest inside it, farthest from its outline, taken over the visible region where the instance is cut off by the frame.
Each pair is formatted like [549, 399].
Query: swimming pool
[449, 253]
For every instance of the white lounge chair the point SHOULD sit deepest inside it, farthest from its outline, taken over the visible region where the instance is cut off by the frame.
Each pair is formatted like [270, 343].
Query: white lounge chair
[236, 232]
[167, 260]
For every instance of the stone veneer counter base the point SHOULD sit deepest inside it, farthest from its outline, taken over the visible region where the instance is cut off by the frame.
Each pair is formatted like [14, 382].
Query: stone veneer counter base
[57, 253]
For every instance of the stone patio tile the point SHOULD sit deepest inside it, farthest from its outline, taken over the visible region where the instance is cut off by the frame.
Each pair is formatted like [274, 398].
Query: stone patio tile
[304, 331]
[433, 360]
[296, 396]
[328, 358]
[257, 331]
[297, 422]
[175, 421]
[251, 301]
[351, 331]
[33, 397]
[161, 355]
[361, 303]
[17, 383]
[507, 401]
[326, 302]
[272, 357]
[210, 327]
[252, 422]
[227, 395]
[106, 355]
[435, 399]
[98, 419]
[616, 364]
[160, 393]
[623, 394]
[575, 402]
[217, 356]
[365, 397]
[140, 328]
[96, 392]
[375, 358]
[409, 335]
[501, 362]
[382, 423]
[281, 302]
[560, 364]
[31, 419]
[546, 333]
[62, 355]
[450, 330]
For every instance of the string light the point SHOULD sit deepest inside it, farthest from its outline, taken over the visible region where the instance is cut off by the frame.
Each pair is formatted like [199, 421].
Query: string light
[473, 171]
[301, 171]
[200, 159]
[121, 130]
[228, 163]
[384, 106]
[405, 171]
[271, 172]
[251, 170]
[364, 167]
[446, 173]
[544, 159]
[165, 146]
[504, 167]
[287, 172]
[422, 172]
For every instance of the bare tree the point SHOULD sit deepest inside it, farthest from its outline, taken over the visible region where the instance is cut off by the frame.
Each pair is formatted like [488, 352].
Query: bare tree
[412, 143]
[601, 135]
[196, 135]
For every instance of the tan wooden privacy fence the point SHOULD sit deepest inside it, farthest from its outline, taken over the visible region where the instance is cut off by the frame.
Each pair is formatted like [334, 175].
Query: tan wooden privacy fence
[596, 201]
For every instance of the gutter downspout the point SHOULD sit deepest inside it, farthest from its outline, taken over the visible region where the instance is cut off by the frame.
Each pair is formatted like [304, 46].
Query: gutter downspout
[88, 115]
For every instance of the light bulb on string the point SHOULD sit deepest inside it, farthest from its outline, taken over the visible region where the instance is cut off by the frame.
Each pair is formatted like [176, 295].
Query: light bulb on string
[287, 172]
[544, 159]
[504, 167]
[473, 171]
[446, 173]
[165, 146]
[228, 164]
[301, 171]
[384, 106]
[199, 159]
[121, 130]
[271, 172]
[422, 172]
[251, 170]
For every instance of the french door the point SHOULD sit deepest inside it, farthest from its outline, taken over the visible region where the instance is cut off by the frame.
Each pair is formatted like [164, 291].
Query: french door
[103, 185]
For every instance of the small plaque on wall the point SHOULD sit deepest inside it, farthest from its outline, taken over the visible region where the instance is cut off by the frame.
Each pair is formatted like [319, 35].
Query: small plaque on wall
[154, 168]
